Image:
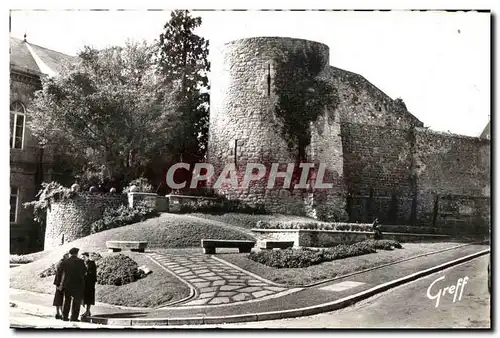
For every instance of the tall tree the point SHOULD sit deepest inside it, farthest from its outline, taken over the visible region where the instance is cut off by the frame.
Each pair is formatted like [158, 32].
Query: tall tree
[183, 59]
[110, 110]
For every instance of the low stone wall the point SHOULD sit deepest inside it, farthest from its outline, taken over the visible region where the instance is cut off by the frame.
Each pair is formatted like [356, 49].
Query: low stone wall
[159, 203]
[71, 219]
[313, 238]
[328, 238]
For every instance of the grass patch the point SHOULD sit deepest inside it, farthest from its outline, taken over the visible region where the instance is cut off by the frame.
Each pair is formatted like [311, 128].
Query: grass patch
[301, 258]
[157, 288]
[335, 268]
[165, 231]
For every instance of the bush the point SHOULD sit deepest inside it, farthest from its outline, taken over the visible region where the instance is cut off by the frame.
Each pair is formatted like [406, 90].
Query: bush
[123, 215]
[117, 270]
[384, 244]
[301, 258]
[51, 270]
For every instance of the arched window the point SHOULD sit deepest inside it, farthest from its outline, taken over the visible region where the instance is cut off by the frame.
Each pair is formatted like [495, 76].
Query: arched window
[17, 113]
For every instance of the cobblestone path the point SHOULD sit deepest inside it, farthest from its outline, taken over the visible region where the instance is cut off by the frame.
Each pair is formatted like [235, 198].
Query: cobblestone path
[215, 282]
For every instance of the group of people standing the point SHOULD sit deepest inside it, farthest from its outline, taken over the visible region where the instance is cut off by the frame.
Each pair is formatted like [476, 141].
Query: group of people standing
[75, 281]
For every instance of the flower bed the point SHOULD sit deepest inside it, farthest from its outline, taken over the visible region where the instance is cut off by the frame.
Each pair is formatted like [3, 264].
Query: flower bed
[314, 225]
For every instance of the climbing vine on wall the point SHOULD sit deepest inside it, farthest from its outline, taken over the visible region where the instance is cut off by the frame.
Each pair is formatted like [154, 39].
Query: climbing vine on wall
[50, 192]
[302, 96]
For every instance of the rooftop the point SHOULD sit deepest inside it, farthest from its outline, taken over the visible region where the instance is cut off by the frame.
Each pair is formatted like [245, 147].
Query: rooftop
[34, 59]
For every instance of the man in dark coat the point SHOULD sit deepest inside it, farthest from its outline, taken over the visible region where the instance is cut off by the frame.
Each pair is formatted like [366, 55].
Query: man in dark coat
[73, 284]
[377, 232]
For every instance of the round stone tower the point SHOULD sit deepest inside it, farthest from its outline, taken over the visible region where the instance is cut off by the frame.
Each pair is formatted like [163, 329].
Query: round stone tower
[243, 125]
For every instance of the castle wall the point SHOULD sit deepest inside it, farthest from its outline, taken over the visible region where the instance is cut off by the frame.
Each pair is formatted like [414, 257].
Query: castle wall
[377, 172]
[71, 219]
[243, 125]
[453, 179]
[362, 102]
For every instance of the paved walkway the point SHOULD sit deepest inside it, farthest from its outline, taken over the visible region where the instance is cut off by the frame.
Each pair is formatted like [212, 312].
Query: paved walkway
[199, 269]
[215, 281]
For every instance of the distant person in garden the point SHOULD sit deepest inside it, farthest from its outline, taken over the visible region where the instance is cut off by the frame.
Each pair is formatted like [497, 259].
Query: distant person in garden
[73, 285]
[90, 280]
[59, 294]
[377, 232]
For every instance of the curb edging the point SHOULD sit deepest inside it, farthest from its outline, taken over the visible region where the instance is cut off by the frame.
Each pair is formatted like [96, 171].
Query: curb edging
[307, 311]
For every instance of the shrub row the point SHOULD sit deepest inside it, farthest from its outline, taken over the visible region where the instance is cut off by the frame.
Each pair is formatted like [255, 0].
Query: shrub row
[123, 215]
[220, 206]
[301, 258]
[313, 225]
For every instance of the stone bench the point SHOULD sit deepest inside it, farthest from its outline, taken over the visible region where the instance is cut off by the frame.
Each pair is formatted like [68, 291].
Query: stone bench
[269, 245]
[117, 246]
[209, 245]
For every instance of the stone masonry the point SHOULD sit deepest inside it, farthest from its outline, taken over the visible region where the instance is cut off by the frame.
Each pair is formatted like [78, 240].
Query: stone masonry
[71, 219]
[380, 159]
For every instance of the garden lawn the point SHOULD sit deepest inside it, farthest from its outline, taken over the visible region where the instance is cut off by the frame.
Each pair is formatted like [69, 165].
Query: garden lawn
[158, 288]
[166, 231]
[163, 232]
[332, 269]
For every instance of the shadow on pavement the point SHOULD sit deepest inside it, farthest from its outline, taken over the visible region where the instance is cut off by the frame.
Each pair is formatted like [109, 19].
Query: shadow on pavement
[121, 315]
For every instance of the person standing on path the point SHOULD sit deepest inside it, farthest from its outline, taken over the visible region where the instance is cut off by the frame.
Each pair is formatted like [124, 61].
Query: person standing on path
[90, 280]
[73, 285]
[59, 294]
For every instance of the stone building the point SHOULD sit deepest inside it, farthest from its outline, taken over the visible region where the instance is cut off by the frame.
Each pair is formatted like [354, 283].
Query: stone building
[381, 160]
[29, 165]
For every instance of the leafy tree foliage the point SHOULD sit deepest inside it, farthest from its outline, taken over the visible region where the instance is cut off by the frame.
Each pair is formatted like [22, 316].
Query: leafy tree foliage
[111, 112]
[183, 59]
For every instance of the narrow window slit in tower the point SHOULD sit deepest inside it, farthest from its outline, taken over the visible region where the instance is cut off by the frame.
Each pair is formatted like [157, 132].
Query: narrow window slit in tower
[235, 151]
[268, 80]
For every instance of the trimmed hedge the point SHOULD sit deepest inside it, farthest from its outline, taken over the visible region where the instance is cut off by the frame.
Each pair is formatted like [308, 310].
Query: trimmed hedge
[123, 215]
[314, 225]
[301, 258]
[220, 205]
[117, 270]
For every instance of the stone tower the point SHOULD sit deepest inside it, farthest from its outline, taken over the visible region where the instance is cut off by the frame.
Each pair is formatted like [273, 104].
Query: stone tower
[245, 129]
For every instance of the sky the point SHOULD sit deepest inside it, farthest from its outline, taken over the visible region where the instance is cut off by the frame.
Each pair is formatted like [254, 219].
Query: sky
[437, 62]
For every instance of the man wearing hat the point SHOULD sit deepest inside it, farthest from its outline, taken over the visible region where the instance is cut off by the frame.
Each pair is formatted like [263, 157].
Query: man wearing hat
[73, 284]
